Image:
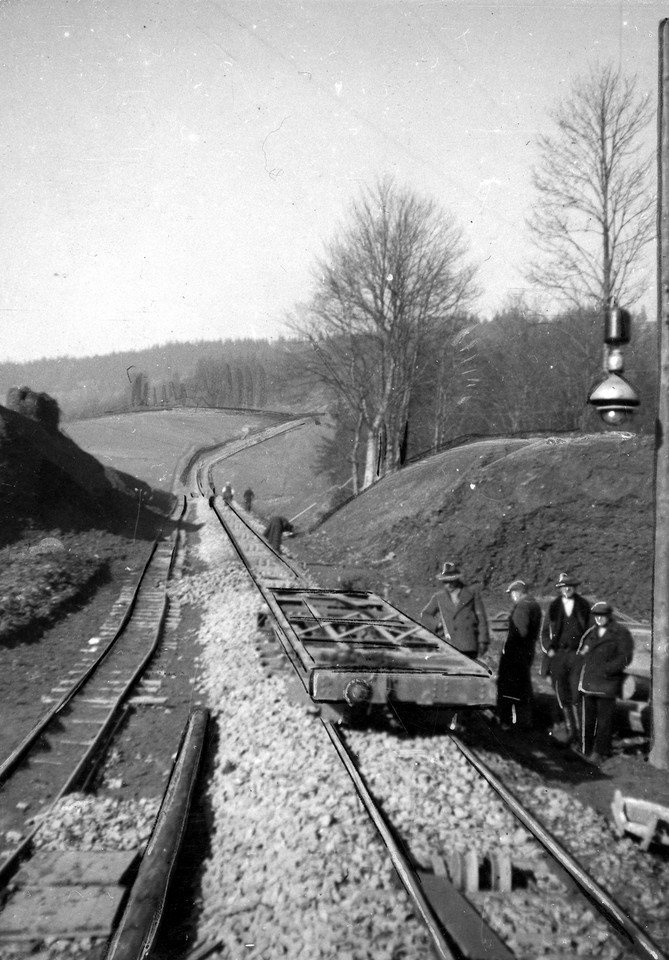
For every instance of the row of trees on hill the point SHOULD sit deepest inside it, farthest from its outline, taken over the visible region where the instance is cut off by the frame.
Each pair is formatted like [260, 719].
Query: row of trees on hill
[389, 321]
[214, 383]
[263, 373]
[218, 382]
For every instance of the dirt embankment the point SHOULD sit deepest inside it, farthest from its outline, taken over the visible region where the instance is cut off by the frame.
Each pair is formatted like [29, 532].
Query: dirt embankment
[67, 523]
[527, 508]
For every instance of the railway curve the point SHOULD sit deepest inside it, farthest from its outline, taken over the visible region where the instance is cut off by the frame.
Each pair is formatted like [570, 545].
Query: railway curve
[633, 941]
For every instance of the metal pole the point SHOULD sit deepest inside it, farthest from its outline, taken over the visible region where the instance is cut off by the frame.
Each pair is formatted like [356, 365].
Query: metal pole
[659, 754]
[139, 507]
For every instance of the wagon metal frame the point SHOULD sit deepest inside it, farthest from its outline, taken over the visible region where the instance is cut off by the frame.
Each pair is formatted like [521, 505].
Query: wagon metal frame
[356, 647]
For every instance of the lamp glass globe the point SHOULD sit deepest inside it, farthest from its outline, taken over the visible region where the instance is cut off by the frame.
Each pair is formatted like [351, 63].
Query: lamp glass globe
[613, 417]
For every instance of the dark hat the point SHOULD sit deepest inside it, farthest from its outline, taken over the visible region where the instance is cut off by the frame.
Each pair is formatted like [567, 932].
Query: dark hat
[516, 585]
[601, 609]
[450, 572]
[564, 580]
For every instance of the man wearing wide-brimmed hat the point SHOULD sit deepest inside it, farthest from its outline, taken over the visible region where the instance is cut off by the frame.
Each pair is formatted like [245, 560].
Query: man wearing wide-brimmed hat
[604, 652]
[567, 620]
[514, 682]
[457, 612]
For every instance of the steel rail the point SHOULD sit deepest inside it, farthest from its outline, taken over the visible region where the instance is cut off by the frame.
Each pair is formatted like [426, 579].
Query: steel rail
[19, 751]
[261, 541]
[136, 933]
[447, 946]
[279, 556]
[8, 865]
[230, 447]
[179, 519]
[625, 927]
[444, 948]
[284, 629]
[106, 723]
[15, 756]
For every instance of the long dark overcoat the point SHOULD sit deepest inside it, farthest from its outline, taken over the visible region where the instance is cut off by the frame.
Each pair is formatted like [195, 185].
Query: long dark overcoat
[275, 530]
[604, 663]
[518, 651]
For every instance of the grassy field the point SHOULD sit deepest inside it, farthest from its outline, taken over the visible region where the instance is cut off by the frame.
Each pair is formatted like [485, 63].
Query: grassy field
[155, 446]
[283, 474]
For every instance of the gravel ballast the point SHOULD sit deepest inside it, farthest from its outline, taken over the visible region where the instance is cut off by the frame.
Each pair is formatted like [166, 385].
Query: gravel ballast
[295, 869]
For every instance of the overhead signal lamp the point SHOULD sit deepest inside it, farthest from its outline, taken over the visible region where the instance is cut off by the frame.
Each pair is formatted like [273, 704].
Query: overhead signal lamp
[613, 396]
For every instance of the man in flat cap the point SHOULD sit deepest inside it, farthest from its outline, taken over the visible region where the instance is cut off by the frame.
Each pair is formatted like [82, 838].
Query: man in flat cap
[514, 682]
[567, 620]
[457, 612]
[604, 652]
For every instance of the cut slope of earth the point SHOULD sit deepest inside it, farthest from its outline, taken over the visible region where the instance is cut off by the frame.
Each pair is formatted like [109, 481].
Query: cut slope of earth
[68, 524]
[506, 509]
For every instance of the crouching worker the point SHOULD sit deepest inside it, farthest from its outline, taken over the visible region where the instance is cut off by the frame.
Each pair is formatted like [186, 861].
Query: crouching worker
[514, 682]
[606, 649]
[456, 612]
[275, 530]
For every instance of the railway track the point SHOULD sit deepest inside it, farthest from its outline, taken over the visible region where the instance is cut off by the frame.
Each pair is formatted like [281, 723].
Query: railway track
[86, 706]
[433, 885]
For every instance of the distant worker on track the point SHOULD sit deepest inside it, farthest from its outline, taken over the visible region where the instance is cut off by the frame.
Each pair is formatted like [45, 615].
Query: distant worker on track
[457, 612]
[514, 681]
[567, 620]
[604, 652]
[249, 497]
[275, 530]
[227, 493]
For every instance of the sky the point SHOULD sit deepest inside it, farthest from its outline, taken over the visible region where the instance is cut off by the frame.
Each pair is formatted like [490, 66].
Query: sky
[172, 171]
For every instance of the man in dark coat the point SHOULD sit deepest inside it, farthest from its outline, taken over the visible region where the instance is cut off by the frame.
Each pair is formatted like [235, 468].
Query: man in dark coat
[604, 652]
[275, 530]
[457, 612]
[567, 620]
[514, 683]
[248, 499]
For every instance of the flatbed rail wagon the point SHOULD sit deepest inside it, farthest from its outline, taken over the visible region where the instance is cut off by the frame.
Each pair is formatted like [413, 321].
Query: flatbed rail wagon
[354, 648]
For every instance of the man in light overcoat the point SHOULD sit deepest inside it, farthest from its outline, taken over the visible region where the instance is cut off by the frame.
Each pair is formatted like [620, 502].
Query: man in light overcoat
[457, 613]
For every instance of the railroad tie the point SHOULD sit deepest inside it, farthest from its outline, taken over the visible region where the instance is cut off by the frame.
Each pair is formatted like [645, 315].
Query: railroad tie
[473, 873]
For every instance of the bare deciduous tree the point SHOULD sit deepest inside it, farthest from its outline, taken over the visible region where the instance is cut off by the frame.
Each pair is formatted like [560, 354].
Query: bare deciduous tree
[386, 285]
[594, 210]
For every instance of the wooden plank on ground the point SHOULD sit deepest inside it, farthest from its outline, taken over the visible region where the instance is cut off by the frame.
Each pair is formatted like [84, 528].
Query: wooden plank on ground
[72, 911]
[464, 924]
[50, 868]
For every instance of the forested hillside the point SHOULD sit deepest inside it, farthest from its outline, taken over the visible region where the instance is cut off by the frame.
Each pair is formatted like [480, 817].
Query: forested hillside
[243, 373]
[517, 374]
